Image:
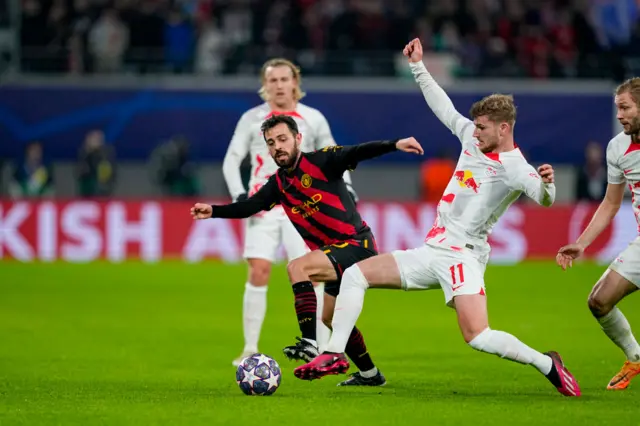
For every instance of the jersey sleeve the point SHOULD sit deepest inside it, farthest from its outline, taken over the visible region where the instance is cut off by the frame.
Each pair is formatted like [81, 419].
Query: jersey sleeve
[236, 153]
[523, 177]
[441, 104]
[337, 159]
[267, 197]
[615, 174]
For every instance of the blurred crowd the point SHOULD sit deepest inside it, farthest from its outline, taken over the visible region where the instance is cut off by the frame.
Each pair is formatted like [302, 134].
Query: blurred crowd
[534, 38]
[173, 171]
[170, 169]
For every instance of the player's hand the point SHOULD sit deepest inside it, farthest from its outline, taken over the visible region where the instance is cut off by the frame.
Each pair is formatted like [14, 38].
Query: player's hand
[568, 253]
[201, 211]
[413, 50]
[546, 173]
[409, 145]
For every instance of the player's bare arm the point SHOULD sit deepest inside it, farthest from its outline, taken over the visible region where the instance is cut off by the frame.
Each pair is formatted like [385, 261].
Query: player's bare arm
[601, 219]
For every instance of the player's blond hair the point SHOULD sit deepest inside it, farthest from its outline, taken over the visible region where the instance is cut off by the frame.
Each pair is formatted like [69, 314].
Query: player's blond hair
[281, 62]
[498, 108]
[631, 86]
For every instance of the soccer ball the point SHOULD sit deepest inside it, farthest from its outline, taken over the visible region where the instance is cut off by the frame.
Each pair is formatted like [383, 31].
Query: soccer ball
[258, 374]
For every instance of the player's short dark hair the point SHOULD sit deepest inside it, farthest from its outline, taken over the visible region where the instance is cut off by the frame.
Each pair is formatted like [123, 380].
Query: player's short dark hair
[274, 120]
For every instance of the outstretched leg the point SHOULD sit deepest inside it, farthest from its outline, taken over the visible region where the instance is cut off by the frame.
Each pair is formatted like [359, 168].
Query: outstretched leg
[375, 272]
[356, 350]
[474, 325]
[604, 297]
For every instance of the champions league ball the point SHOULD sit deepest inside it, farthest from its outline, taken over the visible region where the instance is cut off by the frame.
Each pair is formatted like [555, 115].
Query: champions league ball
[258, 374]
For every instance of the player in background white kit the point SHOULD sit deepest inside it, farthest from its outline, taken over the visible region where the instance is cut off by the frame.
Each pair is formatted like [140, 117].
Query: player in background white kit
[490, 175]
[266, 231]
[622, 277]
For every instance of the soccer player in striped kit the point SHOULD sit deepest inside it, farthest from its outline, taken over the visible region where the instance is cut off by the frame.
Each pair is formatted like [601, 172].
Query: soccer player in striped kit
[266, 231]
[312, 192]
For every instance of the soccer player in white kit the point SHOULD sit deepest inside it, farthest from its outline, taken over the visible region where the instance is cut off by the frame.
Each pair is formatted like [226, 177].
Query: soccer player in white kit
[622, 277]
[266, 231]
[490, 175]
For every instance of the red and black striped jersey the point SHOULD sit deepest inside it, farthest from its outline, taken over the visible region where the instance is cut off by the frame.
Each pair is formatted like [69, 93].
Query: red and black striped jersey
[313, 194]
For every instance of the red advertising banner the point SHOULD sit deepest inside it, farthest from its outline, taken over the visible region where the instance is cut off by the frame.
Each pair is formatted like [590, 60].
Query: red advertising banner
[152, 230]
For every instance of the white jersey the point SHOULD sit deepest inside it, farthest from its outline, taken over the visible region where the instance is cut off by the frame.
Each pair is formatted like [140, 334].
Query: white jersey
[248, 140]
[623, 164]
[483, 185]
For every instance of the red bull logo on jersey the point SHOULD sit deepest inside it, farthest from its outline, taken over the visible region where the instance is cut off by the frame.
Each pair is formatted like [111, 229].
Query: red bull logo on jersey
[465, 179]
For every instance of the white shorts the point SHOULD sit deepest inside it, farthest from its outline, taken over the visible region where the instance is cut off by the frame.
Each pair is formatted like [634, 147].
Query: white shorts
[627, 263]
[264, 234]
[428, 267]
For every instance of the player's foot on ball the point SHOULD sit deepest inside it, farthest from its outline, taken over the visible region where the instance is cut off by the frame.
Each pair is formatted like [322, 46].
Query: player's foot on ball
[357, 379]
[236, 362]
[621, 380]
[303, 350]
[560, 377]
[323, 365]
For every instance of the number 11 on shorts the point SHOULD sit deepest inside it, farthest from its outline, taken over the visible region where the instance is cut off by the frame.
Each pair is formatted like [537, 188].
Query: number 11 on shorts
[457, 268]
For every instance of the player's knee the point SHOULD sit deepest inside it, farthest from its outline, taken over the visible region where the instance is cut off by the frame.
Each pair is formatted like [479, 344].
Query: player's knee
[598, 306]
[353, 276]
[259, 273]
[295, 267]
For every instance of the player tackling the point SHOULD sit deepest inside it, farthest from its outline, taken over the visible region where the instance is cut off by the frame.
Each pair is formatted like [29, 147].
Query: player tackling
[265, 232]
[490, 175]
[622, 277]
[311, 190]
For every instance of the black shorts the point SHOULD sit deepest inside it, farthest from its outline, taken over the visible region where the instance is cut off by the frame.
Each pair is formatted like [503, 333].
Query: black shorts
[343, 255]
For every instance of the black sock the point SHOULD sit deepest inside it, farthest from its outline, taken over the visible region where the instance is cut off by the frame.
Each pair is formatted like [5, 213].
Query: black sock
[356, 350]
[306, 307]
[554, 376]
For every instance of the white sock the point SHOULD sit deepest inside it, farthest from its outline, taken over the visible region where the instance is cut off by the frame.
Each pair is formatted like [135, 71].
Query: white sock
[348, 307]
[617, 328]
[254, 308]
[369, 373]
[508, 346]
[322, 331]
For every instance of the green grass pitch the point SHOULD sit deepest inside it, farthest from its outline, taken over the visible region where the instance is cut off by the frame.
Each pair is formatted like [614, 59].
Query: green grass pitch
[152, 344]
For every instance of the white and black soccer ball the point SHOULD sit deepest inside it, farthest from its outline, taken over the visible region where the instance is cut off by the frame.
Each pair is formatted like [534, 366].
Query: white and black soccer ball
[258, 374]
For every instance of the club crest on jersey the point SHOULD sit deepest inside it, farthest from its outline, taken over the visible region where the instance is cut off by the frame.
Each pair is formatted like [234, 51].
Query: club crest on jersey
[465, 179]
[491, 171]
[306, 181]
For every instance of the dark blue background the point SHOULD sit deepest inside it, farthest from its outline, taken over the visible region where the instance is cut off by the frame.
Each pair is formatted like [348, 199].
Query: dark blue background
[550, 128]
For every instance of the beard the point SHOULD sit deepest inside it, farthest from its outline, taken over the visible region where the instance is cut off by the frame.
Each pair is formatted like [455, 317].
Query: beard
[288, 161]
[634, 127]
[488, 145]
